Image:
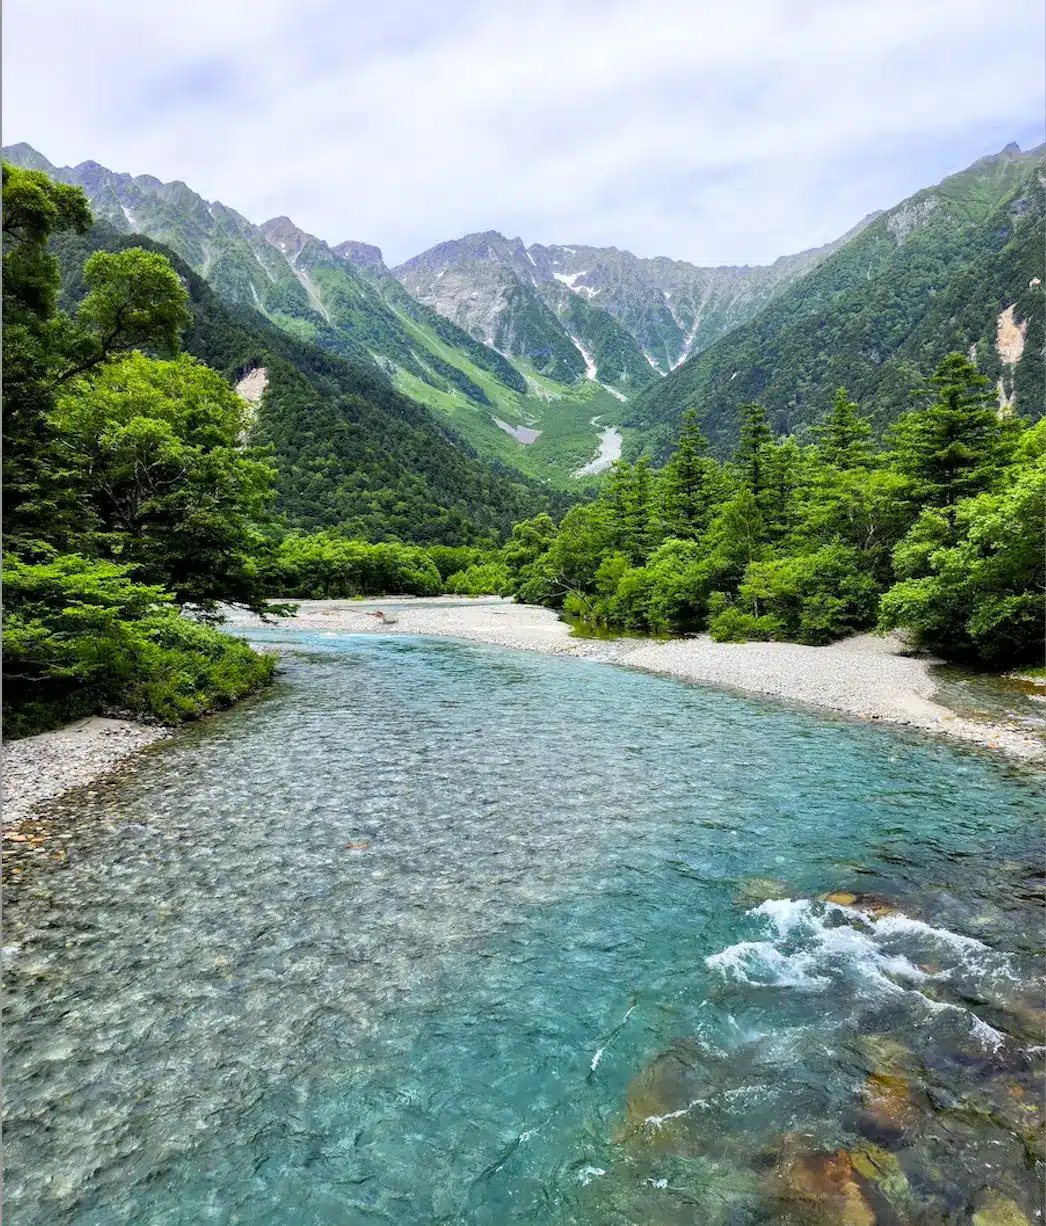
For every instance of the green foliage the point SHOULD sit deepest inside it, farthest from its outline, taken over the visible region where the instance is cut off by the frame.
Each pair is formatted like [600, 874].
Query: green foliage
[844, 439]
[690, 484]
[975, 589]
[812, 598]
[157, 449]
[805, 543]
[955, 446]
[481, 579]
[134, 299]
[325, 566]
[80, 635]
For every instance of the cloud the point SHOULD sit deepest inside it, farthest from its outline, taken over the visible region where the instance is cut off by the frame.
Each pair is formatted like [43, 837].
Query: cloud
[702, 131]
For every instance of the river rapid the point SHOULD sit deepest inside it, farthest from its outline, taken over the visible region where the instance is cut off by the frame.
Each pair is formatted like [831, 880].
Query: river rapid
[444, 933]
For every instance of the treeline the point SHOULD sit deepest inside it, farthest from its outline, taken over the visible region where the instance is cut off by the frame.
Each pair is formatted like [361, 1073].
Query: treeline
[940, 533]
[129, 495]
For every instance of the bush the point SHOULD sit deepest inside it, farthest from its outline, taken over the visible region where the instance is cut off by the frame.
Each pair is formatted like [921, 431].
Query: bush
[486, 579]
[814, 597]
[729, 624]
[450, 559]
[328, 566]
[80, 636]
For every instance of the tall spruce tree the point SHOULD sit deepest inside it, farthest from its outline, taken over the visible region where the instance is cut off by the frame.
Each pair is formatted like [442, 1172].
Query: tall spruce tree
[689, 484]
[955, 446]
[751, 454]
[844, 437]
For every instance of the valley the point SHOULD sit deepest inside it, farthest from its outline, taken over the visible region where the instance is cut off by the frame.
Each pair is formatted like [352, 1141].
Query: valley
[528, 735]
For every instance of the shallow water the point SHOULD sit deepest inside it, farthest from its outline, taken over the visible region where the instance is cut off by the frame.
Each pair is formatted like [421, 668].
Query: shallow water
[441, 933]
[992, 698]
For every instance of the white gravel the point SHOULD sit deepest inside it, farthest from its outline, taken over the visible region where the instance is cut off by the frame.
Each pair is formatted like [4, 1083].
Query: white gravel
[41, 767]
[867, 676]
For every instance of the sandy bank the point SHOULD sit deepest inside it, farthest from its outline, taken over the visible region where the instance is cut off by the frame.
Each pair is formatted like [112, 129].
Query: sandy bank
[865, 676]
[41, 767]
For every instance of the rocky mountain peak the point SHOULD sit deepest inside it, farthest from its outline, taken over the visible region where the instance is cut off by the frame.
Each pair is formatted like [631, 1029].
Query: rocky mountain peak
[362, 255]
[288, 238]
[27, 157]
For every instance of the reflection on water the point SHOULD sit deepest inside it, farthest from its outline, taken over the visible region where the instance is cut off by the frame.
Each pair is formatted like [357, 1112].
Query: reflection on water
[992, 698]
[443, 933]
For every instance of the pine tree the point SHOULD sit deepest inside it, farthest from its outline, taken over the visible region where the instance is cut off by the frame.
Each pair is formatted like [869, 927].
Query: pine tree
[689, 484]
[955, 446]
[638, 519]
[844, 435]
[751, 454]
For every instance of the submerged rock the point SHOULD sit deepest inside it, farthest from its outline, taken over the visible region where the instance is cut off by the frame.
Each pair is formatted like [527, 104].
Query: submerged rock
[890, 1105]
[756, 890]
[819, 1188]
[991, 1208]
[660, 1098]
[882, 1170]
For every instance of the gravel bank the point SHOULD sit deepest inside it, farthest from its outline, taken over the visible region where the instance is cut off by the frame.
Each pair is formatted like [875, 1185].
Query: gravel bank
[865, 676]
[42, 767]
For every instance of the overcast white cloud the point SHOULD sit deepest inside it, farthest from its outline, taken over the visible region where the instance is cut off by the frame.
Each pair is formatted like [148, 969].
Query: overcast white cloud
[704, 131]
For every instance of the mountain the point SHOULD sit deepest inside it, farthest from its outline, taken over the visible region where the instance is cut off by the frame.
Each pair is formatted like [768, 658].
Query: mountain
[350, 451]
[650, 314]
[542, 415]
[956, 266]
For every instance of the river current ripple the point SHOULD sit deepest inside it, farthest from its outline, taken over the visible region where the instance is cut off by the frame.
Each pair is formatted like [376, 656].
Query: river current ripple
[441, 933]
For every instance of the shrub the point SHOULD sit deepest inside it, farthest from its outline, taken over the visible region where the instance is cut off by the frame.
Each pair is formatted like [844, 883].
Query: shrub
[486, 579]
[80, 635]
[729, 624]
[813, 597]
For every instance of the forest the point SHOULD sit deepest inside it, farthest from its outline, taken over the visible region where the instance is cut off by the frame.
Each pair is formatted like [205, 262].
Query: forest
[143, 494]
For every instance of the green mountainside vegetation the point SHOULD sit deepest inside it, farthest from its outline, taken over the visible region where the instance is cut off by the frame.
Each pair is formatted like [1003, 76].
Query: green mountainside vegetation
[931, 276]
[942, 532]
[168, 451]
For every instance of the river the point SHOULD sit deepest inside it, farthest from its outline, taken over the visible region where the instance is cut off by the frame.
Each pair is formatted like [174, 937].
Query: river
[444, 933]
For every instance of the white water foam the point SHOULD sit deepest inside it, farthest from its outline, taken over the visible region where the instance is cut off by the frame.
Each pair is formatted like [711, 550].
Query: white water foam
[804, 950]
[588, 1173]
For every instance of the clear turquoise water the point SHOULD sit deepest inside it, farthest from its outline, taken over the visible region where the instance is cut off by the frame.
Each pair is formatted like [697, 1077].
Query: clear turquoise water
[547, 990]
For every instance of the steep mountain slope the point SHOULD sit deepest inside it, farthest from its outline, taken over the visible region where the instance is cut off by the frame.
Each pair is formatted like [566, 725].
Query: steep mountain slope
[344, 300]
[350, 451]
[952, 267]
[632, 318]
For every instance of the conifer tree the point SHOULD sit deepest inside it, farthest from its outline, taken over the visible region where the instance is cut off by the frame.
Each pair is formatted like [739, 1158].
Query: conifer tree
[637, 518]
[751, 454]
[955, 446]
[844, 437]
[689, 485]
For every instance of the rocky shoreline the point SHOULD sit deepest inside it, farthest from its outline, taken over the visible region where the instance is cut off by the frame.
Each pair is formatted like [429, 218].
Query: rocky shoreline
[867, 676]
[42, 767]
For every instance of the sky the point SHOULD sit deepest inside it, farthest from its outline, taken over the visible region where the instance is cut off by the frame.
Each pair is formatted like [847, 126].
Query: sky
[716, 133]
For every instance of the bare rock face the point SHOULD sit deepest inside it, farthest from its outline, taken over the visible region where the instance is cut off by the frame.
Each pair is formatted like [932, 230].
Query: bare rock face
[252, 386]
[909, 217]
[362, 255]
